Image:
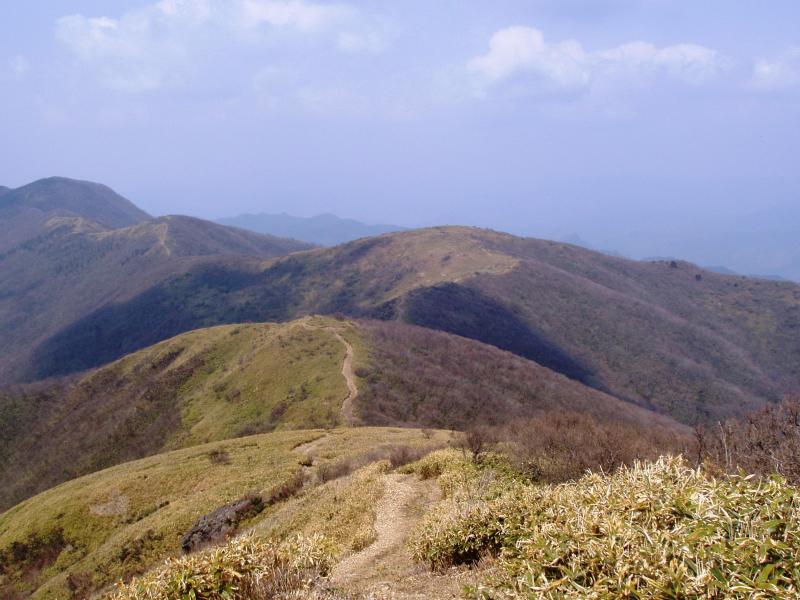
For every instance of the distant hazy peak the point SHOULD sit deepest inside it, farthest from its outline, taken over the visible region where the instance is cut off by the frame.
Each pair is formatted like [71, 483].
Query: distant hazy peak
[71, 197]
[325, 229]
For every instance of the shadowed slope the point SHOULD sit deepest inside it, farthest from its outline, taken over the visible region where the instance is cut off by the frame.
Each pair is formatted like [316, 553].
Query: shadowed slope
[77, 266]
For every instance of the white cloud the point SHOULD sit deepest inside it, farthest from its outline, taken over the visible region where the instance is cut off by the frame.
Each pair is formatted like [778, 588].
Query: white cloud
[777, 74]
[518, 49]
[523, 52]
[162, 44]
[19, 65]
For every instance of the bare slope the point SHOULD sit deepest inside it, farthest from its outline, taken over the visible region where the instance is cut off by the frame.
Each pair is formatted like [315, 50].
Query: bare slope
[695, 344]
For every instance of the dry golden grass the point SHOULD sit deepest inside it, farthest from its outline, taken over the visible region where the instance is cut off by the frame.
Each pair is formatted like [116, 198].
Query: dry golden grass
[107, 526]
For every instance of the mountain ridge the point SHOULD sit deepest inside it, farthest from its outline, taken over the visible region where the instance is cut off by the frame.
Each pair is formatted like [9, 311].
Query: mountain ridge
[324, 229]
[665, 335]
[64, 266]
[228, 381]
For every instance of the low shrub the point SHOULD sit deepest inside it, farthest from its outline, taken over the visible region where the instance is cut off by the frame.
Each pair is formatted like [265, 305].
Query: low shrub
[335, 469]
[244, 568]
[653, 530]
[403, 455]
[287, 489]
[219, 456]
[558, 445]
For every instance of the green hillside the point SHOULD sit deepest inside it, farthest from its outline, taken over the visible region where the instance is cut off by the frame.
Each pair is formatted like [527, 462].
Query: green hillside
[207, 385]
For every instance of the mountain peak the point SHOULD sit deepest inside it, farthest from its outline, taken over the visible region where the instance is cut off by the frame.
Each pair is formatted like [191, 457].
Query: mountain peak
[25, 211]
[72, 197]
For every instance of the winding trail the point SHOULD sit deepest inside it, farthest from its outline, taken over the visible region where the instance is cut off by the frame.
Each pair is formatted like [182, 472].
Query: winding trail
[347, 372]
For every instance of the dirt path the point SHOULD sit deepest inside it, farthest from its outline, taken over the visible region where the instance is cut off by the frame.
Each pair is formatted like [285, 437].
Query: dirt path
[347, 373]
[385, 570]
[350, 378]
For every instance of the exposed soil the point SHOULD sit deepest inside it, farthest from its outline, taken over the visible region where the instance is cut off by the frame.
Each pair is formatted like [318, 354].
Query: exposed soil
[347, 373]
[384, 570]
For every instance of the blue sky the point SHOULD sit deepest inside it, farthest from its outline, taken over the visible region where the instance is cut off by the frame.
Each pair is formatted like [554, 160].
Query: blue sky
[544, 117]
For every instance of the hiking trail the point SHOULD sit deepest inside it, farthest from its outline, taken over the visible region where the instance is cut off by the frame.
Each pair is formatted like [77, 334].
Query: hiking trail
[385, 569]
[347, 372]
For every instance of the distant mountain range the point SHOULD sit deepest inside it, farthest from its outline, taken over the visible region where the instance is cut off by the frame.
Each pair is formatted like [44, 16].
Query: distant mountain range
[763, 243]
[323, 230]
[664, 335]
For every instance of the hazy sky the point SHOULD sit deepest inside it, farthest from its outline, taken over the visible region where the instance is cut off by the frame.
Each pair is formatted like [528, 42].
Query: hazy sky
[539, 116]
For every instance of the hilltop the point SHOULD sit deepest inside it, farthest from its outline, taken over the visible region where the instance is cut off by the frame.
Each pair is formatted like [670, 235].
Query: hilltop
[665, 335]
[376, 512]
[230, 381]
[25, 211]
[324, 230]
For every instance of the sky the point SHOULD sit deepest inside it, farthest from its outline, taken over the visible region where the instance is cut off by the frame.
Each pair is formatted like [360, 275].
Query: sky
[608, 121]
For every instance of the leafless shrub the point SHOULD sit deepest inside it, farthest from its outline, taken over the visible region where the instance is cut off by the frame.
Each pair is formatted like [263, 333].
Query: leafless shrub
[334, 470]
[767, 441]
[560, 445]
[477, 440]
[403, 455]
[288, 489]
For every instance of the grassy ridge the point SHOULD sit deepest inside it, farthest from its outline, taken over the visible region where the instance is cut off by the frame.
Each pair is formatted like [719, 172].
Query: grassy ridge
[207, 385]
[228, 381]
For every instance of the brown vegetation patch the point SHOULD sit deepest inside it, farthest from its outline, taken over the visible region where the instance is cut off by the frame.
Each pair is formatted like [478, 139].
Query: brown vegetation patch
[764, 442]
